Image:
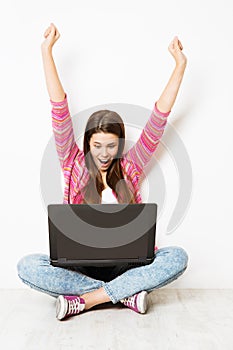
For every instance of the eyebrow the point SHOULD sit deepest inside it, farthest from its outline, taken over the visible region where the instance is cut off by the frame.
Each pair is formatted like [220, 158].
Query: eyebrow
[111, 143]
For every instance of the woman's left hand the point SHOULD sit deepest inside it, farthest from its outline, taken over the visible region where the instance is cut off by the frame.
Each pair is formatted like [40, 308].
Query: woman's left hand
[175, 48]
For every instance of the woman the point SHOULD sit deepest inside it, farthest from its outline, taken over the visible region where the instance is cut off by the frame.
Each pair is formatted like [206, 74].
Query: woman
[102, 173]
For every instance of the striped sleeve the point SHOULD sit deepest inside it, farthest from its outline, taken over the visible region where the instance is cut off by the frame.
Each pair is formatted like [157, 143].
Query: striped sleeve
[63, 131]
[148, 141]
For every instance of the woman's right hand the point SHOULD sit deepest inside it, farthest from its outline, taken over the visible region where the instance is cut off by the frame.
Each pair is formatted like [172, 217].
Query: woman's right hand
[51, 36]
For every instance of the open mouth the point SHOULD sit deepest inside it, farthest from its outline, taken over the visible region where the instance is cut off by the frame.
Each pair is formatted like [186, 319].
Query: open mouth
[104, 162]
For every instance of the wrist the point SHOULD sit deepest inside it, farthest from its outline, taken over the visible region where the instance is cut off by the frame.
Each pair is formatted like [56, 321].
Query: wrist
[180, 66]
[181, 62]
[45, 49]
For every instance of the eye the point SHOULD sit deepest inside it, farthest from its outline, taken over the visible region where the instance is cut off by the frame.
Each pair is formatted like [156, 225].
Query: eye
[97, 146]
[112, 146]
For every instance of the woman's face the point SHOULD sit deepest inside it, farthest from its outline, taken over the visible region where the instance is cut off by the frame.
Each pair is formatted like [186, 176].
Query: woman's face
[103, 148]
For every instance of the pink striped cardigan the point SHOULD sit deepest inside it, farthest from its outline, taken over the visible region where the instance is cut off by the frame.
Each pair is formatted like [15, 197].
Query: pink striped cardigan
[72, 160]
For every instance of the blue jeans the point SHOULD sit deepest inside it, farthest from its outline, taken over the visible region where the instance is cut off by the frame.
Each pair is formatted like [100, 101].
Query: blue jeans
[119, 282]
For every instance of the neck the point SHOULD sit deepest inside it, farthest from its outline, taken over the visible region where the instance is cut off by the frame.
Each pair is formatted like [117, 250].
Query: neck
[104, 176]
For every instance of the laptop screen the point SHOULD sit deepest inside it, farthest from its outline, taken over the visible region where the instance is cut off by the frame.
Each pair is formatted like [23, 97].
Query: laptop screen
[88, 234]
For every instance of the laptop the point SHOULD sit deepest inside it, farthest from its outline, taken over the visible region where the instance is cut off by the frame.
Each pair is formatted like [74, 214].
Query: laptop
[102, 234]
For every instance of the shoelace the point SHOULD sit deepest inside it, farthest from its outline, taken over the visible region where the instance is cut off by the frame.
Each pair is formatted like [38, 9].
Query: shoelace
[129, 301]
[73, 306]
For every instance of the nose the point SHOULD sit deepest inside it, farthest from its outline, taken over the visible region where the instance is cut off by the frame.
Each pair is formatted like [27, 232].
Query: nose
[104, 152]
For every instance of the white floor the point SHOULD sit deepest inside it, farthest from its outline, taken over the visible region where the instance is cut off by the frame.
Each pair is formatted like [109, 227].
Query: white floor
[177, 319]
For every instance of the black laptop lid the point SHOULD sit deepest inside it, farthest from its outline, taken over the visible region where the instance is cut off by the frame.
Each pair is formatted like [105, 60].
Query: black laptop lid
[102, 234]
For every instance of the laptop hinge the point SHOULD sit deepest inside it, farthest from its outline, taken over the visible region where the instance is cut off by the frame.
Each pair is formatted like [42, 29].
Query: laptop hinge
[142, 258]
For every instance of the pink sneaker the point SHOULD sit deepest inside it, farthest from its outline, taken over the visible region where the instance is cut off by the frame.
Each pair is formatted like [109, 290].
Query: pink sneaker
[138, 302]
[68, 305]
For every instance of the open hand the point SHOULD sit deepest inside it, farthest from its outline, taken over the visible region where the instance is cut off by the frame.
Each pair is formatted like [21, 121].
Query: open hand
[51, 35]
[175, 48]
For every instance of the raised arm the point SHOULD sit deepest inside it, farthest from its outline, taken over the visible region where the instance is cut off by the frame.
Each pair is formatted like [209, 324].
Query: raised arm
[169, 94]
[149, 139]
[54, 86]
[61, 120]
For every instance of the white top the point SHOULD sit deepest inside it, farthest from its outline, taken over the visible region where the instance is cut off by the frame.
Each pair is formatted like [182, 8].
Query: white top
[108, 196]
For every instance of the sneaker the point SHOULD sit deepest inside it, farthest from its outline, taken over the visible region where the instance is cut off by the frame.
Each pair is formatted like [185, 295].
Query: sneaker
[68, 305]
[138, 302]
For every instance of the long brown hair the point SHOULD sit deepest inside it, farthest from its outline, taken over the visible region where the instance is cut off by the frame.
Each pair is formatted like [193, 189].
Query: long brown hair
[108, 122]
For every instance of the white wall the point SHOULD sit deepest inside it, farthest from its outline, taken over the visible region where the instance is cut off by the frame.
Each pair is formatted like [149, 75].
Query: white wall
[116, 52]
